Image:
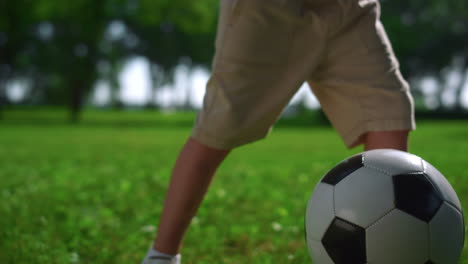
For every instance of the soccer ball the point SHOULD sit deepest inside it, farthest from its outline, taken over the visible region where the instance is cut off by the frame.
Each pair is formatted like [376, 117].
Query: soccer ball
[384, 206]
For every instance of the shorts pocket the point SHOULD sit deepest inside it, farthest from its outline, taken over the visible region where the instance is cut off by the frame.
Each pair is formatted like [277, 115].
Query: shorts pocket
[259, 32]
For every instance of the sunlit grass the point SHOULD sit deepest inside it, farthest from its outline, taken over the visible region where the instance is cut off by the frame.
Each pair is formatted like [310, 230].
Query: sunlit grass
[92, 193]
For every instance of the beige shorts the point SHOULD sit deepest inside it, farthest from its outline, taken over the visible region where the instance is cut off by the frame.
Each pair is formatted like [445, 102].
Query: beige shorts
[266, 49]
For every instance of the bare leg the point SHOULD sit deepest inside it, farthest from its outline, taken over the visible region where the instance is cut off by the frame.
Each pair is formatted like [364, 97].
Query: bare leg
[397, 139]
[191, 176]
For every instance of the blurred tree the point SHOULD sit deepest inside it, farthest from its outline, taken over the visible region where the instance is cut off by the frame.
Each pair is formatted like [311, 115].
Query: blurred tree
[60, 44]
[428, 36]
[15, 43]
[171, 31]
[78, 29]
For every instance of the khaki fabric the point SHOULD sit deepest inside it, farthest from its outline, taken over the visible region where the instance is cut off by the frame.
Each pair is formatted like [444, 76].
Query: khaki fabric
[266, 49]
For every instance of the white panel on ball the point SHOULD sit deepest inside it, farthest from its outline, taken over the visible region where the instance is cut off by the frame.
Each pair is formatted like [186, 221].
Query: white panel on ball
[442, 185]
[398, 238]
[320, 212]
[318, 253]
[364, 196]
[393, 162]
[446, 233]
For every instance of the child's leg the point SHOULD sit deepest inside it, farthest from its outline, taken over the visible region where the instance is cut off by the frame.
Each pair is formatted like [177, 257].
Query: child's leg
[397, 139]
[253, 79]
[191, 176]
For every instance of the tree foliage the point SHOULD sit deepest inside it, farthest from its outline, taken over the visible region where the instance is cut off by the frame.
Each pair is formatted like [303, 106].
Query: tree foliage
[431, 39]
[427, 34]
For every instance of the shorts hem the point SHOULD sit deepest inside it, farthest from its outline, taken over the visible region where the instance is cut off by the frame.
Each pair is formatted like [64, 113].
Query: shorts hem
[352, 138]
[225, 144]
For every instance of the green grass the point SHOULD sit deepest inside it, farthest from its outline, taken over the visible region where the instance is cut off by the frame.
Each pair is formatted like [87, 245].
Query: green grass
[92, 193]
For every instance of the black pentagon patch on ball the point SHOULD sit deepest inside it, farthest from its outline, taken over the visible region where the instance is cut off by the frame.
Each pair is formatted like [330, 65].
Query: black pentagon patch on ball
[345, 242]
[343, 169]
[429, 262]
[416, 195]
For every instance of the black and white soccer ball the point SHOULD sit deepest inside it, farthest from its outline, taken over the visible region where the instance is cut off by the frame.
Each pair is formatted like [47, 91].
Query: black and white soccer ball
[384, 206]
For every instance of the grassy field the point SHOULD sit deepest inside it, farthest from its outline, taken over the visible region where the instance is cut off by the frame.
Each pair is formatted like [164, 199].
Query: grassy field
[92, 193]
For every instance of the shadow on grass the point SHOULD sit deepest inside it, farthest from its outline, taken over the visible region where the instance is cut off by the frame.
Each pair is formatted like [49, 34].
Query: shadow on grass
[91, 123]
[98, 118]
[184, 119]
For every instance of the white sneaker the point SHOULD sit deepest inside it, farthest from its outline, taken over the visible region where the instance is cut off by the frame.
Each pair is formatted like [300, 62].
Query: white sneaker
[162, 260]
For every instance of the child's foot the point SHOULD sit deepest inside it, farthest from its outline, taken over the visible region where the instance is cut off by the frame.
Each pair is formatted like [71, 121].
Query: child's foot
[156, 257]
[162, 260]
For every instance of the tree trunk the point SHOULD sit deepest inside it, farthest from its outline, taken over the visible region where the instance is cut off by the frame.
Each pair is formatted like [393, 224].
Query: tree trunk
[155, 75]
[76, 101]
[81, 84]
[2, 102]
[2, 99]
[461, 85]
[114, 83]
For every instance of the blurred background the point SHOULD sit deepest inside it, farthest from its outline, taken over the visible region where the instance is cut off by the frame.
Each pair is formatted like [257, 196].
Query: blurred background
[146, 54]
